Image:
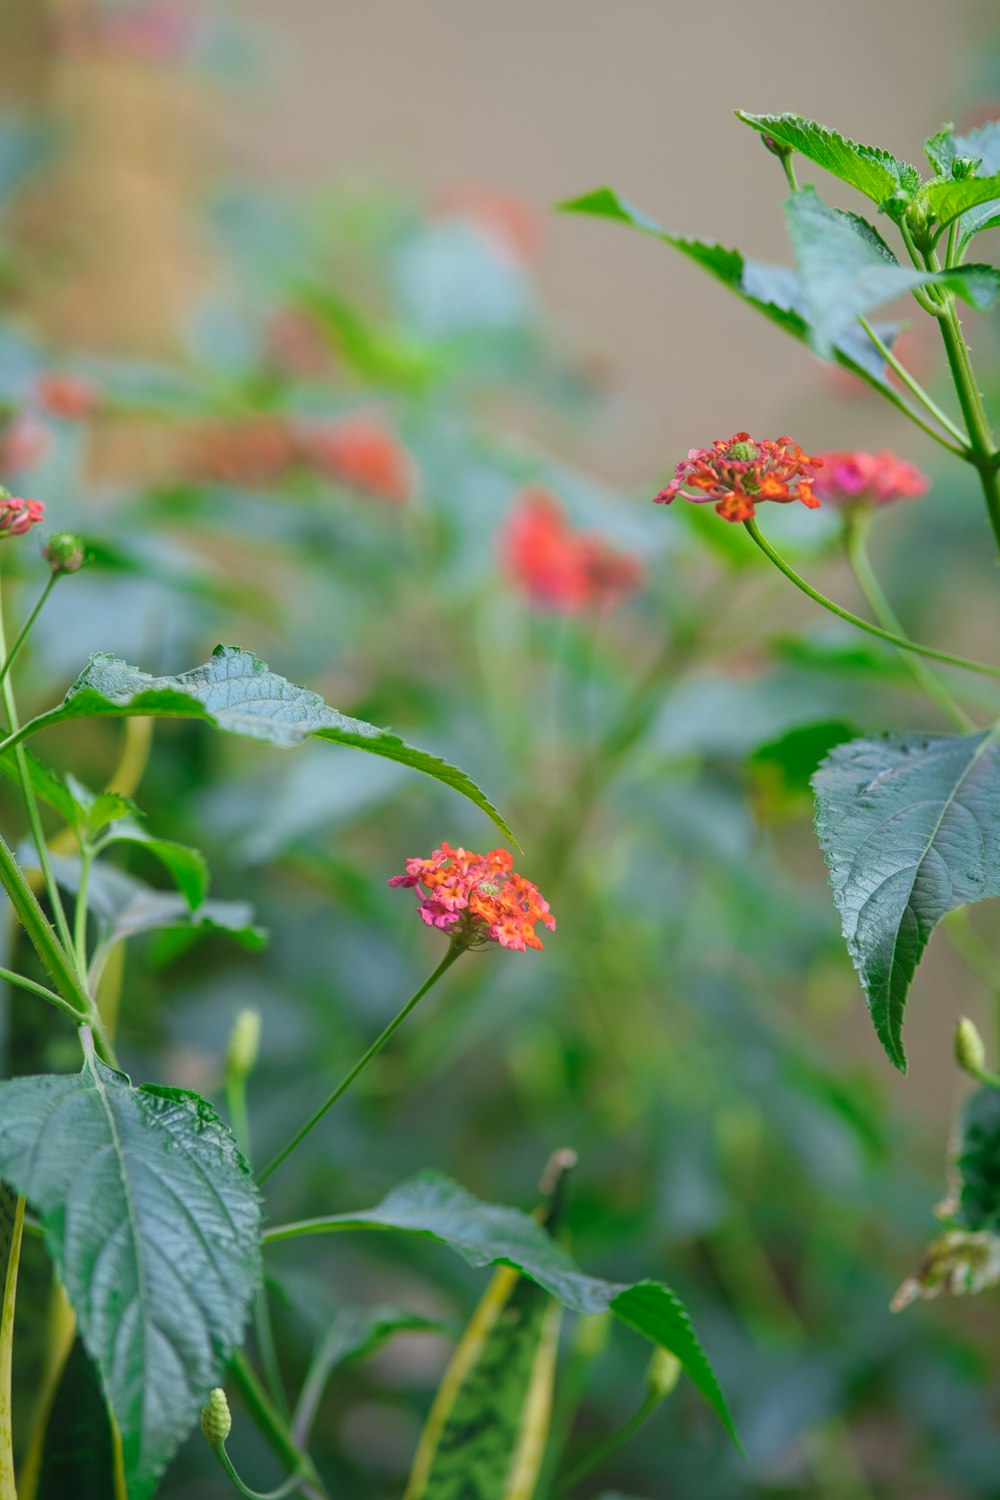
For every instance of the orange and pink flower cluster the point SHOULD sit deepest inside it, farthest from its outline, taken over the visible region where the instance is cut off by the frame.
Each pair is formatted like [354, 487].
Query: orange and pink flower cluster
[558, 567]
[18, 516]
[736, 474]
[478, 898]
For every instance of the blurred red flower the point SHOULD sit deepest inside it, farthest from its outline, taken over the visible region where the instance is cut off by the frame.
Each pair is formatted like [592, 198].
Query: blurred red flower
[360, 451]
[557, 567]
[858, 478]
[23, 443]
[67, 396]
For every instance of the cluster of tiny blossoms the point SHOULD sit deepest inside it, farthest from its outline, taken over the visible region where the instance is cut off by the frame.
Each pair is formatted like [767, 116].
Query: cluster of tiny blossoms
[857, 479]
[737, 474]
[18, 516]
[478, 898]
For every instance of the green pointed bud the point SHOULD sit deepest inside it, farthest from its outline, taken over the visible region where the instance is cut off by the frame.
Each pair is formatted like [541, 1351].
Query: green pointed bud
[776, 148]
[65, 552]
[965, 166]
[662, 1374]
[919, 220]
[216, 1419]
[970, 1054]
[244, 1045]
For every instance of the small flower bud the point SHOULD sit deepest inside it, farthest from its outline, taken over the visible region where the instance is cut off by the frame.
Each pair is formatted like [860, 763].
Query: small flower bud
[662, 1373]
[919, 219]
[244, 1045]
[776, 148]
[65, 552]
[965, 166]
[970, 1054]
[216, 1419]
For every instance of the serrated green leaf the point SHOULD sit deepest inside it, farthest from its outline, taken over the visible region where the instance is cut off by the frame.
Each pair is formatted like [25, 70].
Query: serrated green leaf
[774, 291]
[950, 199]
[910, 826]
[940, 150]
[236, 692]
[847, 270]
[978, 1162]
[981, 145]
[874, 172]
[487, 1234]
[96, 810]
[152, 1221]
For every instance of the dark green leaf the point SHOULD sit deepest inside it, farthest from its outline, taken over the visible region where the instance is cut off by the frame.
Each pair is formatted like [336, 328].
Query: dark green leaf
[78, 1455]
[153, 1222]
[978, 1162]
[235, 691]
[486, 1234]
[910, 826]
[773, 290]
[781, 769]
[847, 270]
[874, 172]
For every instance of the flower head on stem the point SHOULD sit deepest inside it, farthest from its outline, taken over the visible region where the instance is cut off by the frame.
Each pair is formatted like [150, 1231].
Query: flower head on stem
[736, 474]
[478, 898]
[18, 516]
[856, 479]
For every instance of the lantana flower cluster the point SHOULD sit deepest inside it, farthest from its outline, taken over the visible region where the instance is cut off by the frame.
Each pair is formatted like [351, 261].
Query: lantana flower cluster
[557, 566]
[737, 473]
[478, 898]
[17, 515]
[858, 479]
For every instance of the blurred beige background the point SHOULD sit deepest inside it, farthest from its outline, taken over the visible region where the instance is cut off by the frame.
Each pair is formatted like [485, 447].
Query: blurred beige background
[543, 99]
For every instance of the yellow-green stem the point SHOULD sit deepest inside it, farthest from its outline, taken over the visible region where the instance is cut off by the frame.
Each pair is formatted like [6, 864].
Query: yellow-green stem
[8, 1490]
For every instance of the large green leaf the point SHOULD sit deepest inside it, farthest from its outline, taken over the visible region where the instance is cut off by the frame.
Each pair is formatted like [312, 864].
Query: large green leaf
[236, 692]
[910, 826]
[487, 1234]
[152, 1219]
[978, 1163]
[951, 198]
[874, 172]
[774, 291]
[847, 269]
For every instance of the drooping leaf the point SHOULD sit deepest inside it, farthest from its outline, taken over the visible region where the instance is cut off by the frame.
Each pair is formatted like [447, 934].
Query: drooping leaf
[125, 907]
[236, 692]
[486, 1234]
[847, 270]
[152, 1220]
[978, 1162]
[774, 291]
[874, 172]
[910, 826]
[485, 1436]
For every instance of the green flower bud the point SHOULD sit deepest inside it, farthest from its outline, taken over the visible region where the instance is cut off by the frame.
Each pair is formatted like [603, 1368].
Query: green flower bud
[970, 1054]
[244, 1044]
[965, 166]
[216, 1419]
[662, 1373]
[776, 148]
[65, 552]
[919, 220]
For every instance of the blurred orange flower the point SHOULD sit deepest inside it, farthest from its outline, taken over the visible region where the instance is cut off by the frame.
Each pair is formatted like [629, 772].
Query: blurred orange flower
[359, 450]
[557, 567]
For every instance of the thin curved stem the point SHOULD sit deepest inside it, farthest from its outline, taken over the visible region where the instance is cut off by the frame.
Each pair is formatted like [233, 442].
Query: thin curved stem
[609, 1445]
[901, 641]
[25, 629]
[362, 1062]
[855, 542]
[916, 389]
[8, 976]
[288, 1487]
[273, 1427]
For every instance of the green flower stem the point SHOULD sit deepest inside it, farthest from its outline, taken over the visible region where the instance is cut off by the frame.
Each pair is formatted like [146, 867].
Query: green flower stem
[31, 806]
[901, 641]
[12, 1233]
[43, 938]
[290, 1485]
[273, 1427]
[25, 629]
[961, 445]
[855, 542]
[80, 913]
[984, 454]
[362, 1062]
[21, 980]
[614, 1440]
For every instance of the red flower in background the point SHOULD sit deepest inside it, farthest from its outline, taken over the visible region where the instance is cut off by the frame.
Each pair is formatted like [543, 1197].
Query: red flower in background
[478, 898]
[738, 474]
[67, 396]
[360, 451]
[858, 478]
[560, 568]
[514, 226]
